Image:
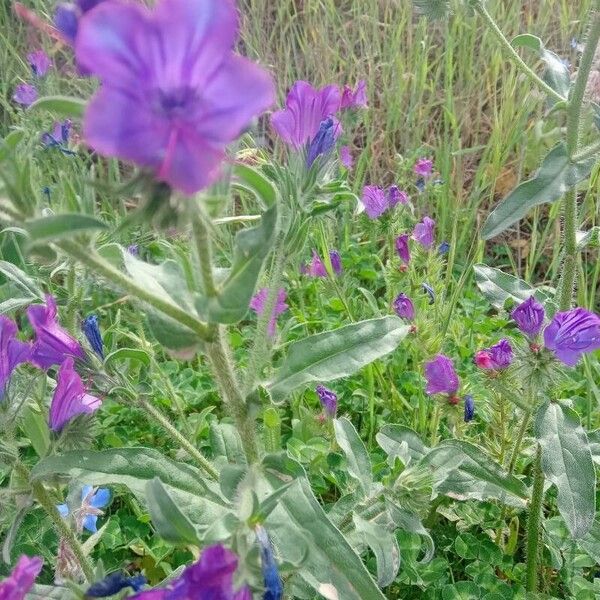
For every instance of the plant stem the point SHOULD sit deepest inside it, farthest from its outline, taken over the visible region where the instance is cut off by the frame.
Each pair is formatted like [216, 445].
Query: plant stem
[587, 152]
[518, 443]
[204, 464]
[519, 63]
[96, 263]
[435, 423]
[533, 523]
[204, 251]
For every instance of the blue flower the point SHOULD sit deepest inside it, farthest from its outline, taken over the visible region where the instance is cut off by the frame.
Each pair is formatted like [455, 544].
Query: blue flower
[272, 579]
[324, 141]
[429, 291]
[92, 333]
[444, 248]
[469, 408]
[92, 502]
[113, 583]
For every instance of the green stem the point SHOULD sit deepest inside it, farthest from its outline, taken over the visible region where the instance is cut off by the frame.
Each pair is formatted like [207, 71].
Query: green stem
[533, 524]
[96, 263]
[587, 152]
[204, 251]
[519, 63]
[154, 413]
[435, 423]
[519, 442]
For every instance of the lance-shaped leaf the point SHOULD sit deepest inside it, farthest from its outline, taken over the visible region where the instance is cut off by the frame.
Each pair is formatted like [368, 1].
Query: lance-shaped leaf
[200, 500]
[253, 181]
[432, 9]
[557, 175]
[54, 227]
[252, 245]
[335, 354]
[398, 440]
[357, 457]
[567, 463]
[61, 106]
[588, 239]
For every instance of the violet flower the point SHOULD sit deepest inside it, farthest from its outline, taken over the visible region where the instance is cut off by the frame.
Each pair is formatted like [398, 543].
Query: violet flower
[441, 376]
[469, 408]
[443, 248]
[92, 333]
[336, 261]
[174, 94]
[114, 583]
[374, 200]
[402, 248]
[52, 343]
[17, 585]
[328, 400]
[25, 94]
[13, 352]
[497, 357]
[305, 109]
[39, 63]
[58, 137]
[272, 579]
[404, 307]
[356, 98]
[572, 333]
[324, 140]
[424, 232]
[86, 517]
[70, 398]
[346, 157]
[423, 167]
[257, 304]
[317, 268]
[68, 14]
[529, 316]
[396, 196]
[429, 291]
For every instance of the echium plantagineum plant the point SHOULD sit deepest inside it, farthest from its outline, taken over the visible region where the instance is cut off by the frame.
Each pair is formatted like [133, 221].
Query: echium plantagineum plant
[178, 107]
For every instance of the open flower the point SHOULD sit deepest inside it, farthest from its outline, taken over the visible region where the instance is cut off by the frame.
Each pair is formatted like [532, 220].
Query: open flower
[402, 248]
[374, 200]
[356, 98]
[21, 580]
[529, 316]
[423, 167]
[59, 136]
[25, 94]
[497, 357]
[424, 232]
[39, 63]
[86, 516]
[52, 343]
[70, 398]
[404, 307]
[441, 376]
[328, 400]
[572, 333]
[305, 109]
[259, 300]
[12, 351]
[173, 93]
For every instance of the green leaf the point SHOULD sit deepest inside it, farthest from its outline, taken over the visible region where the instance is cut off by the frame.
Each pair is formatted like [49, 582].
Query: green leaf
[409, 521]
[225, 442]
[567, 463]
[299, 522]
[357, 457]
[251, 247]
[384, 547]
[590, 542]
[464, 471]
[556, 73]
[252, 180]
[498, 287]
[392, 438]
[432, 9]
[170, 523]
[462, 590]
[54, 227]
[335, 354]
[200, 500]
[556, 176]
[36, 429]
[121, 354]
[62, 106]
[588, 239]
[21, 280]
[49, 592]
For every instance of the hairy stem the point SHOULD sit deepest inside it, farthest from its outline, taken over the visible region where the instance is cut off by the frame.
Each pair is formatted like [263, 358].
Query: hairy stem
[204, 251]
[519, 442]
[533, 524]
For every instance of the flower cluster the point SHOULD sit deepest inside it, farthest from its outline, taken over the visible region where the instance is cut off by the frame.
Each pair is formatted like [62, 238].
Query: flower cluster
[26, 94]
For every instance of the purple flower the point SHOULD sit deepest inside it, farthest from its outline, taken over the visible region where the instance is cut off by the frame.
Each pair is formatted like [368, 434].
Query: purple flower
[529, 316]
[133, 249]
[572, 333]
[346, 157]
[498, 356]
[328, 400]
[39, 62]
[441, 376]
[86, 516]
[305, 109]
[402, 248]
[257, 304]
[374, 200]
[321, 145]
[67, 16]
[443, 248]
[25, 94]
[355, 98]
[114, 583]
[52, 343]
[424, 232]
[429, 291]
[92, 333]
[21, 580]
[423, 167]
[174, 94]
[70, 397]
[336, 261]
[317, 267]
[58, 137]
[469, 408]
[404, 307]
[396, 196]
[271, 577]
[12, 351]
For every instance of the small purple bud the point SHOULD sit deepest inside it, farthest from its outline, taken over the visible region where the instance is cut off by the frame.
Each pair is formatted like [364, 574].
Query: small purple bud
[424, 232]
[444, 248]
[328, 400]
[469, 408]
[402, 248]
[396, 196]
[441, 376]
[25, 94]
[495, 358]
[346, 157]
[92, 333]
[423, 167]
[374, 201]
[429, 291]
[529, 316]
[404, 307]
[321, 145]
[354, 98]
[39, 63]
[336, 261]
